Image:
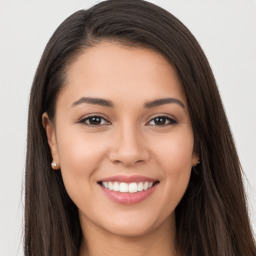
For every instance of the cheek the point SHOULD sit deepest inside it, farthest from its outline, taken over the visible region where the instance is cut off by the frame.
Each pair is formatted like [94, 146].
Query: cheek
[79, 151]
[175, 157]
[80, 157]
[175, 153]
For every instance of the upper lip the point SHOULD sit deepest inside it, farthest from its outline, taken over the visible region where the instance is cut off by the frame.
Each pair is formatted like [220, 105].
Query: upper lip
[128, 179]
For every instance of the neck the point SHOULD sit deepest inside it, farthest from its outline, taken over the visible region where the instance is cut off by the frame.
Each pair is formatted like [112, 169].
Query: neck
[160, 241]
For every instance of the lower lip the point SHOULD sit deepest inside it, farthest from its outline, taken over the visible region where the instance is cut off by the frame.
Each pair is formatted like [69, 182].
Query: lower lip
[129, 198]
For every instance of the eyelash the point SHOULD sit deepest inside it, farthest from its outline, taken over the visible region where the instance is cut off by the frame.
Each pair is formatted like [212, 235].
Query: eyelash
[88, 118]
[170, 120]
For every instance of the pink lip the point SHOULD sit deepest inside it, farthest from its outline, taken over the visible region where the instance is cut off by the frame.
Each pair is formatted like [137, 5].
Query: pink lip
[128, 198]
[129, 179]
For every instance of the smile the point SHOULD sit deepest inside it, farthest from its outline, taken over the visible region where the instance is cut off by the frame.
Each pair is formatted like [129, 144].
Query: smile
[128, 190]
[127, 187]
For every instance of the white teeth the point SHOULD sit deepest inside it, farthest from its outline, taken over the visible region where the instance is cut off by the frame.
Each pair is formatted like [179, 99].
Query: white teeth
[127, 187]
[140, 186]
[105, 184]
[110, 185]
[116, 186]
[124, 187]
[145, 186]
[133, 188]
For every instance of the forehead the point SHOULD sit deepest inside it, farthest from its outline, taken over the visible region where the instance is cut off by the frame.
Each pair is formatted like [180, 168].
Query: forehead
[111, 69]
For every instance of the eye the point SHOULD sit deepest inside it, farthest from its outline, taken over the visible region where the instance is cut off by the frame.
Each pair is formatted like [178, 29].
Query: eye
[94, 121]
[162, 121]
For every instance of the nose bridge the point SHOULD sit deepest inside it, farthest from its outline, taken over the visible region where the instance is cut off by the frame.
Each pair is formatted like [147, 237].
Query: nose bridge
[129, 138]
[128, 147]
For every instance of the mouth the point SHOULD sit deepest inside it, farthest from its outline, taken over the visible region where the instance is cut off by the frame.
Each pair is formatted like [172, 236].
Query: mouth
[125, 187]
[128, 189]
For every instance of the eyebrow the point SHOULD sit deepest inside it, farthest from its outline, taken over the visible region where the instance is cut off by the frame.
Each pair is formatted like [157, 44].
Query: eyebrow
[108, 103]
[95, 101]
[159, 102]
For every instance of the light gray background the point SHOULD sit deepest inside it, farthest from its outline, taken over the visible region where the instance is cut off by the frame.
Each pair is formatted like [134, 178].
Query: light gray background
[226, 30]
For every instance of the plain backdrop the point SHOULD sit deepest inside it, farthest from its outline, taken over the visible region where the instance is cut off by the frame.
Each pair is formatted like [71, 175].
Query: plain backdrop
[226, 30]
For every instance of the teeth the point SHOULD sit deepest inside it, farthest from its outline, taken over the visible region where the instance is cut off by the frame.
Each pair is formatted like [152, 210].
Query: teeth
[110, 186]
[105, 184]
[133, 188]
[127, 187]
[124, 187]
[116, 186]
[145, 186]
[140, 186]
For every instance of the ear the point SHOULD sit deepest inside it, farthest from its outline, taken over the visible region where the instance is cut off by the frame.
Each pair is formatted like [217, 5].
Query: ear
[196, 154]
[51, 138]
[195, 159]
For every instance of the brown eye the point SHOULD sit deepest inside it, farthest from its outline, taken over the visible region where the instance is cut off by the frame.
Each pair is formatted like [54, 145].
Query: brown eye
[162, 121]
[94, 121]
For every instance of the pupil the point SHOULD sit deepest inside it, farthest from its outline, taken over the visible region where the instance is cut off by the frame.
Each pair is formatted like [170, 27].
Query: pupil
[95, 120]
[160, 120]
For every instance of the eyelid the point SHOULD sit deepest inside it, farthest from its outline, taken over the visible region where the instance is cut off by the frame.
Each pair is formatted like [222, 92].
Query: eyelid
[85, 117]
[173, 121]
[82, 120]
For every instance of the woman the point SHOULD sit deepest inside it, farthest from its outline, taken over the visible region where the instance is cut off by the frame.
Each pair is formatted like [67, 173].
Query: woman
[129, 149]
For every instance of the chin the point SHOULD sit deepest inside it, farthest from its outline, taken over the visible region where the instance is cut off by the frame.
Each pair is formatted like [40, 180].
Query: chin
[134, 225]
[129, 230]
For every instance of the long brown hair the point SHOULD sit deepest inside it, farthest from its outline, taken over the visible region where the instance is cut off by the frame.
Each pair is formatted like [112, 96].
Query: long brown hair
[211, 218]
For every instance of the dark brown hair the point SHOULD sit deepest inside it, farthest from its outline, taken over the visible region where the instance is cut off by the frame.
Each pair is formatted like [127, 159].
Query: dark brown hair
[211, 218]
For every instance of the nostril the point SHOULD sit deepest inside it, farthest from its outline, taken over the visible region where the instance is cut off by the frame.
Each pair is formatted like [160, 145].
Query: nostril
[129, 155]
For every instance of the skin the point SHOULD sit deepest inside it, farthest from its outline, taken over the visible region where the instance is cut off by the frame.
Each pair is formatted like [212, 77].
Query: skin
[128, 140]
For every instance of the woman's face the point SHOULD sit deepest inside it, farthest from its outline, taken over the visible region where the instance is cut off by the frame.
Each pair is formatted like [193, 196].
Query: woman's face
[123, 139]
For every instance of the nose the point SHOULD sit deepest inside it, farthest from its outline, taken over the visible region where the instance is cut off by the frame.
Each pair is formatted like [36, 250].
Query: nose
[128, 148]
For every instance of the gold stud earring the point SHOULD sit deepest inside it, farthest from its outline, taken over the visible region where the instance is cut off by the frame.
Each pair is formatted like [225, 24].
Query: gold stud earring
[54, 165]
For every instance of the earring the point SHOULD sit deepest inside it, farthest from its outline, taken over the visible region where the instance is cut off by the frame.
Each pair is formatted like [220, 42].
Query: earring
[54, 166]
[195, 169]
